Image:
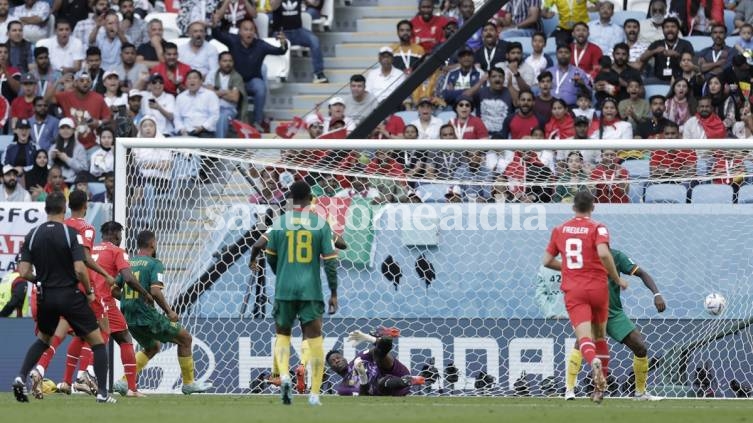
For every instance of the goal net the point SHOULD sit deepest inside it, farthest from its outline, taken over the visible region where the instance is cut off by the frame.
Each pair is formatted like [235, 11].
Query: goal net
[445, 240]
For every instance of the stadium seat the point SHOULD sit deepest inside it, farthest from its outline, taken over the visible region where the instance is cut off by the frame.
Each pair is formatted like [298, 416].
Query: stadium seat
[636, 190]
[593, 16]
[656, 89]
[699, 42]
[433, 193]
[262, 25]
[549, 25]
[638, 169]
[732, 40]
[221, 48]
[524, 41]
[407, 116]
[96, 188]
[5, 141]
[665, 193]
[446, 116]
[745, 195]
[639, 5]
[702, 167]
[621, 16]
[729, 20]
[712, 194]
[328, 15]
[278, 67]
[169, 23]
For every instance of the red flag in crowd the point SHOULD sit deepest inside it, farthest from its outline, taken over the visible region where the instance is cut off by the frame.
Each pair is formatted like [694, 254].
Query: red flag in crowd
[337, 134]
[290, 129]
[244, 130]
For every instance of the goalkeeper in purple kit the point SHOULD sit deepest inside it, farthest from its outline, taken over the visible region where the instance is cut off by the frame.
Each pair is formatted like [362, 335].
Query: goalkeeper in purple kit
[374, 372]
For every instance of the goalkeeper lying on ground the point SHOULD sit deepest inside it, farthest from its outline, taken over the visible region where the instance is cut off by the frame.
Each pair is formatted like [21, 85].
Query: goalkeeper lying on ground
[373, 372]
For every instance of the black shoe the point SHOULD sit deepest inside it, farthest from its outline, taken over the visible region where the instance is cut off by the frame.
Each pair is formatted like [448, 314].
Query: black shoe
[19, 390]
[320, 78]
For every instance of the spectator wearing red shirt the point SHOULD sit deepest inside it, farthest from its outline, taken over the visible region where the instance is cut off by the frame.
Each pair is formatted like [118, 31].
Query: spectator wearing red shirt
[521, 123]
[22, 106]
[466, 125]
[9, 75]
[85, 107]
[562, 124]
[384, 164]
[173, 72]
[427, 28]
[670, 164]
[612, 178]
[586, 55]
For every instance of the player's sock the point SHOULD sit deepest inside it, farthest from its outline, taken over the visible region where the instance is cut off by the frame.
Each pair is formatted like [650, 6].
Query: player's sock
[382, 347]
[85, 359]
[587, 348]
[71, 359]
[99, 354]
[602, 352]
[573, 368]
[141, 361]
[44, 362]
[393, 383]
[186, 369]
[282, 354]
[128, 358]
[32, 357]
[640, 369]
[305, 352]
[316, 358]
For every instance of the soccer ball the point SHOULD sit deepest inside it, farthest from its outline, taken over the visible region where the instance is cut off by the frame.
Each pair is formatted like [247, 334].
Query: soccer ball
[715, 303]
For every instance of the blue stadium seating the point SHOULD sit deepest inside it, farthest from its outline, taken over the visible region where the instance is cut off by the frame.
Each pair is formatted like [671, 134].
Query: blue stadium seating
[729, 20]
[5, 141]
[621, 16]
[549, 25]
[656, 89]
[407, 116]
[96, 188]
[732, 40]
[699, 42]
[637, 168]
[665, 193]
[712, 194]
[446, 116]
[745, 195]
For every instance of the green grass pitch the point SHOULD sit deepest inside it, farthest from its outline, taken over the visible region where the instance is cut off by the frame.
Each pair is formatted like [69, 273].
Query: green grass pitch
[57, 408]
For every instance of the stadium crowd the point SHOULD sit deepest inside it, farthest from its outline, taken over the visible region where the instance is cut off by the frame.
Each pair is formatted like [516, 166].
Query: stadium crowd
[680, 71]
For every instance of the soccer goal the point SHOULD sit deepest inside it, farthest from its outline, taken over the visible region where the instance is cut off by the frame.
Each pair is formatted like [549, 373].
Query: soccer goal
[445, 239]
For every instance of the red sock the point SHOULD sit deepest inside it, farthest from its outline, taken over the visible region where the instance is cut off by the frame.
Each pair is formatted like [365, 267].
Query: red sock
[128, 357]
[602, 352]
[86, 357]
[44, 361]
[74, 352]
[588, 349]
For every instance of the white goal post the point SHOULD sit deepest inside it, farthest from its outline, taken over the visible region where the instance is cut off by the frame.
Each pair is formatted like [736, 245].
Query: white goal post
[480, 314]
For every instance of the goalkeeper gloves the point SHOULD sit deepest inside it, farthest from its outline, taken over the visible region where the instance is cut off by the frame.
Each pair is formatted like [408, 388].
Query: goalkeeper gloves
[357, 337]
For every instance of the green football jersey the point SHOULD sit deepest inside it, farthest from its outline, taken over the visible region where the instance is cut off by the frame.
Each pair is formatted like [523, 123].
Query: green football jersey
[148, 271]
[625, 266]
[300, 240]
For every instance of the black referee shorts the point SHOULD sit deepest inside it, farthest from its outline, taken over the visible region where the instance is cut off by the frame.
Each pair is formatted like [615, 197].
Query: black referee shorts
[69, 303]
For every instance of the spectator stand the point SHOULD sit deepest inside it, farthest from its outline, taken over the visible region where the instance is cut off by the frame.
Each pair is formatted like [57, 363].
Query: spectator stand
[169, 23]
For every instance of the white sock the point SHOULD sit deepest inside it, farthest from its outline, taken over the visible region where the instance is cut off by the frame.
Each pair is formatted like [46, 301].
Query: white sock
[80, 373]
[40, 369]
[90, 369]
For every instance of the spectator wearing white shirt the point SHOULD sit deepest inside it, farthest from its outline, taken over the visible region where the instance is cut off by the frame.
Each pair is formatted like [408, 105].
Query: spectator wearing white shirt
[382, 81]
[113, 96]
[33, 14]
[110, 38]
[5, 19]
[103, 160]
[427, 124]
[197, 109]
[605, 33]
[228, 84]
[197, 52]
[610, 126]
[66, 53]
[84, 28]
[337, 114]
[159, 104]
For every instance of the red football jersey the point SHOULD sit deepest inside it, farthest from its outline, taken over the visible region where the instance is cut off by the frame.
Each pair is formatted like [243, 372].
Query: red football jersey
[112, 259]
[86, 235]
[576, 241]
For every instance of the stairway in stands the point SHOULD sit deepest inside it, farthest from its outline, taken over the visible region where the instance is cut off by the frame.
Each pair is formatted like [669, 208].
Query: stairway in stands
[350, 47]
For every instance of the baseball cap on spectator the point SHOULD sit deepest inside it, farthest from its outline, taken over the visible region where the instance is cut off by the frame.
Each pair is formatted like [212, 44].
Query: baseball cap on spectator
[452, 21]
[581, 120]
[465, 50]
[424, 100]
[23, 123]
[83, 74]
[156, 76]
[135, 93]
[337, 100]
[109, 74]
[312, 119]
[28, 78]
[9, 168]
[66, 122]
[386, 50]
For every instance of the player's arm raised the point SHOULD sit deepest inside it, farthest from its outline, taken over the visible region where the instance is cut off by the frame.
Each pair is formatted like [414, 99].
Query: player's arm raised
[651, 285]
[605, 255]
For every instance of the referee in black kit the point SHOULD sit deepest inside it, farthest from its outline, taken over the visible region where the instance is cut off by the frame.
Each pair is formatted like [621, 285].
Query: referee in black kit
[53, 249]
